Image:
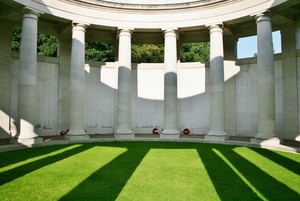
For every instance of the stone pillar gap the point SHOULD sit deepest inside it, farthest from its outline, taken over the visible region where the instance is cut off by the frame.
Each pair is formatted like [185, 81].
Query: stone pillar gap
[77, 82]
[289, 82]
[217, 119]
[7, 117]
[265, 81]
[170, 87]
[123, 130]
[27, 80]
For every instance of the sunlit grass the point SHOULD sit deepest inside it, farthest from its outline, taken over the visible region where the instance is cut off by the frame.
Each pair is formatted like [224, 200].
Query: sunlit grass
[149, 171]
[277, 171]
[168, 174]
[30, 160]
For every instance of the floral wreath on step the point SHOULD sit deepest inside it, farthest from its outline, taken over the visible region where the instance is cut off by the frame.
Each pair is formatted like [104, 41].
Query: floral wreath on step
[186, 131]
[155, 130]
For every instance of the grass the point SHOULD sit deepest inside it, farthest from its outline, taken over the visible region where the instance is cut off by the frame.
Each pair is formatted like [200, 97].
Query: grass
[149, 171]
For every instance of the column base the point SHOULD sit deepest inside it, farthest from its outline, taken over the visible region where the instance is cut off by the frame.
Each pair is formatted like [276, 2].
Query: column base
[216, 137]
[265, 136]
[77, 137]
[26, 141]
[270, 141]
[170, 134]
[297, 138]
[124, 134]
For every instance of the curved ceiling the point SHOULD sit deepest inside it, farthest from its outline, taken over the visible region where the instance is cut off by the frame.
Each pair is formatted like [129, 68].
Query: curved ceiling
[150, 1]
[147, 5]
[190, 19]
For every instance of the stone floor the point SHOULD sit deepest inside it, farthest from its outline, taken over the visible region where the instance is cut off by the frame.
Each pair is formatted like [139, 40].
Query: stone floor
[285, 145]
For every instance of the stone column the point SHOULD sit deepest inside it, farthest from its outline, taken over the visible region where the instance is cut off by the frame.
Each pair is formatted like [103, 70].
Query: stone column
[77, 82]
[27, 80]
[265, 81]
[170, 87]
[216, 84]
[123, 129]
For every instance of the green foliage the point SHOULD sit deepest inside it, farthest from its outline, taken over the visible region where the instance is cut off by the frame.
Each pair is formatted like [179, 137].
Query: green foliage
[46, 45]
[147, 53]
[99, 51]
[16, 40]
[195, 52]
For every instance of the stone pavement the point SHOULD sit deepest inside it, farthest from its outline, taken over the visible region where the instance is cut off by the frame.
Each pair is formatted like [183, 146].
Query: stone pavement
[286, 145]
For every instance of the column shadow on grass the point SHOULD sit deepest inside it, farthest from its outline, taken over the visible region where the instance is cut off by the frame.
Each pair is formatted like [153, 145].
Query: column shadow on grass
[224, 178]
[267, 185]
[107, 182]
[15, 156]
[15, 173]
[279, 159]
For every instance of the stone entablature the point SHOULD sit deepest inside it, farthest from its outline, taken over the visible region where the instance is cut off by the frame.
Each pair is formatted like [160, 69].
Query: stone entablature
[151, 6]
[189, 17]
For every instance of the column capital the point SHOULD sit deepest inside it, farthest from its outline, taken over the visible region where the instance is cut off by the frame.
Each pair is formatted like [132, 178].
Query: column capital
[31, 13]
[125, 32]
[170, 32]
[263, 16]
[217, 27]
[80, 26]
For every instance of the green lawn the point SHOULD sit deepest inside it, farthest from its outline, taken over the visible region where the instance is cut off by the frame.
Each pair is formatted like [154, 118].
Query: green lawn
[149, 171]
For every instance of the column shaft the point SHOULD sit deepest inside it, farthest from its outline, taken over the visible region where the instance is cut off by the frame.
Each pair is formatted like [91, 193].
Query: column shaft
[216, 84]
[265, 78]
[27, 80]
[170, 87]
[124, 87]
[77, 83]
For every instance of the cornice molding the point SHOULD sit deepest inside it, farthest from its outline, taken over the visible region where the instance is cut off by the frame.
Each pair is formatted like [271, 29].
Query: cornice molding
[100, 4]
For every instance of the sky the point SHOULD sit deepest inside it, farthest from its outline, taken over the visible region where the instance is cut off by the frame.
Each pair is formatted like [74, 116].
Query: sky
[248, 46]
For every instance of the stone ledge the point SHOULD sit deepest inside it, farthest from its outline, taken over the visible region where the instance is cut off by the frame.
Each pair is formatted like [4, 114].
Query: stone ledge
[56, 140]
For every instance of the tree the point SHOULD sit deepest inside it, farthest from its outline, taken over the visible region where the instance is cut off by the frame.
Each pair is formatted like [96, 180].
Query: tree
[105, 52]
[193, 52]
[147, 53]
[16, 40]
[99, 51]
[47, 45]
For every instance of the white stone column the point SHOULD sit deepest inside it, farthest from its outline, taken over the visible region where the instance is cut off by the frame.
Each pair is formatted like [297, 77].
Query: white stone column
[123, 129]
[27, 80]
[265, 81]
[170, 87]
[216, 84]
[77, 82]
